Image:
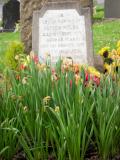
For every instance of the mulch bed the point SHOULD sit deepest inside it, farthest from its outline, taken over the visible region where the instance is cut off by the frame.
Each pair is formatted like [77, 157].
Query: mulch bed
[92, 156]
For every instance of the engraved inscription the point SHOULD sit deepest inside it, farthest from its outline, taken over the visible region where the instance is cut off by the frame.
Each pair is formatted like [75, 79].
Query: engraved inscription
[62, 34]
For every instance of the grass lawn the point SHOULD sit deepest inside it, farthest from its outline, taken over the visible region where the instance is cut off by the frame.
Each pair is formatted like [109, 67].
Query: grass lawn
[106, 33]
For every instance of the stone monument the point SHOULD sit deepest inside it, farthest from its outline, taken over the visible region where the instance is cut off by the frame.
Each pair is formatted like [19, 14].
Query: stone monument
[27, 7]
[1, 6]
[112, 8]
[63, 29]
[100, 2]
[11, 14]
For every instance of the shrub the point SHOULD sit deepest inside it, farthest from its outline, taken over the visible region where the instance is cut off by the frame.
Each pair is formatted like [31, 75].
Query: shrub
[15, 48]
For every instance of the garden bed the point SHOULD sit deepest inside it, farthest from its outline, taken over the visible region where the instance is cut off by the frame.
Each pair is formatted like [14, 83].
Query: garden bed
[67, 111]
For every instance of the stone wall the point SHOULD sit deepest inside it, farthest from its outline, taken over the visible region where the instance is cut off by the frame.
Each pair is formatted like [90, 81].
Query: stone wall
[27, 8]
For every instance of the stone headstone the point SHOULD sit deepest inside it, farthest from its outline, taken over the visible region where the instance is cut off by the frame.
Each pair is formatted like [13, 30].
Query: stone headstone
[63, 29]
[11, 14]
[27, 7]
[112, 8]
[100, 1]
[1, 6]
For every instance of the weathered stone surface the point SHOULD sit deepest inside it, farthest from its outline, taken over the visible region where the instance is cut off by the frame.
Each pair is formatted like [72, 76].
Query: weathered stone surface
[11, 14]
[100, 1]
[98, 63]
[27, 8]
[1, 6]
[63, 29]
[112, 8]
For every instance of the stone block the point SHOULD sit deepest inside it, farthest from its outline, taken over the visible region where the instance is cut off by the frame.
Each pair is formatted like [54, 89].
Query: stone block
[11, 15]
[112, 8]
[27, 7]
[63, 29]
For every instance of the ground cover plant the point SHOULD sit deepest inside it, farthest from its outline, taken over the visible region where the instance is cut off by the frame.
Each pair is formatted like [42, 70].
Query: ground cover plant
[63, 112]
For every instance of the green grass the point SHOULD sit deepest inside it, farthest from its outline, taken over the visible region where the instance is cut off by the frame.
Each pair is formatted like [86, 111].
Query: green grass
[106, 33]
[5, 39]
[99, 13]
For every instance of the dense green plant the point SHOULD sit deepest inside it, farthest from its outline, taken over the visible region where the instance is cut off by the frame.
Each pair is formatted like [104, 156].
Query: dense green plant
[48, 115]
[106, 121]
[15, 48]
[8, 125]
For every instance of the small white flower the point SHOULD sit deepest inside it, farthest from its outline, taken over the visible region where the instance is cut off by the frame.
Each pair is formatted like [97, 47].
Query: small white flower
[24, 80]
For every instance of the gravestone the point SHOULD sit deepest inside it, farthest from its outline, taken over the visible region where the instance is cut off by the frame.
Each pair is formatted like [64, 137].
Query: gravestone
[100, 1]
[63, 29]
[11, 14]
[1, 6]
[27, 7]
[112, 8]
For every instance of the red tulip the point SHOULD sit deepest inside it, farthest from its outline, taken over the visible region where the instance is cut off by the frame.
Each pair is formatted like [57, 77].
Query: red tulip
[22, 67]
[70, 83]
[36, 59]
[86, 76]
[96, 80]
[18, 77]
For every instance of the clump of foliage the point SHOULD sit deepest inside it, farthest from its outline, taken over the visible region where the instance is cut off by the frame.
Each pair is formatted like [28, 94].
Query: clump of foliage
[59, 112]
[98, 13]
[14, 49]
